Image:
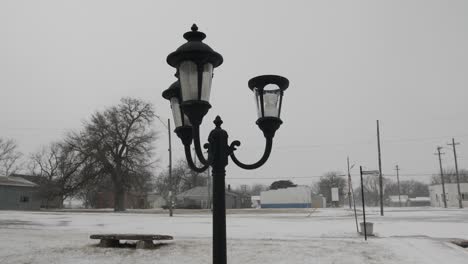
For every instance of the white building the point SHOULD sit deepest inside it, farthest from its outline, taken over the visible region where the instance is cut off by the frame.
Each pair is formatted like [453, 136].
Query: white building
[451, 194]
[292, 197]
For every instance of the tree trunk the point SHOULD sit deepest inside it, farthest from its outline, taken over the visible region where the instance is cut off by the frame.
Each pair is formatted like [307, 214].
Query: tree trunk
[119, 193]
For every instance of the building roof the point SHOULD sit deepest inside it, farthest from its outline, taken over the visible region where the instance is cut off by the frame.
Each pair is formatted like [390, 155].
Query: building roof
[15, 181]
[420, 199]
[39, 180]
[396, 199]
[199, 191]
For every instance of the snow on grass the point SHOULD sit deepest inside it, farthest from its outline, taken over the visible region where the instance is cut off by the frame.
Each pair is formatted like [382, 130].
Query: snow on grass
[254, 236]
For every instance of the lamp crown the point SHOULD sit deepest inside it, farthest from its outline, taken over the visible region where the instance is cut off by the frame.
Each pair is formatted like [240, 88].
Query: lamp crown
[194, 50]
[194, 35]
[264, 80]
[218, 122]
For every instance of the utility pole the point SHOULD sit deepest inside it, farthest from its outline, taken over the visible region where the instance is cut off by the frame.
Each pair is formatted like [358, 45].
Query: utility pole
[349, 183]
[363, 205]
[170, 166]
[354, 206]
[441, 176]
[380, 171]
[460, 204]
[398, 182]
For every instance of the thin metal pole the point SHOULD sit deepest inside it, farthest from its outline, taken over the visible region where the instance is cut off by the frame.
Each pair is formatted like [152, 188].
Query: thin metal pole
[349, 183]
[363, 204]
[380, 171]
[460, 204]
[170, 166]
[398, 181]
[442, 176]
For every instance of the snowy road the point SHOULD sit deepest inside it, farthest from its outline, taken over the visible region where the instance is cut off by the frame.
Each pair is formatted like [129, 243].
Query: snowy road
[326, 236]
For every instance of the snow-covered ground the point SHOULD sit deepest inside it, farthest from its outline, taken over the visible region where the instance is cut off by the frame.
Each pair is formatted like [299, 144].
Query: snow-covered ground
[416, 235]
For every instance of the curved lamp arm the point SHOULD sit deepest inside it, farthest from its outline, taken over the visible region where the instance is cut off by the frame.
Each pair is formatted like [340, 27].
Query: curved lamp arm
[266, 154]
[198, 150]
[188, 156]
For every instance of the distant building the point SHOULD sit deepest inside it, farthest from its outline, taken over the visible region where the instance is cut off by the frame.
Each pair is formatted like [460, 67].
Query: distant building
[198, 198]
[451, 194]
[256, 201]
[155, 200]
[17, 193]
[394, 200]
[318, 201]
[292, 197]
[419, 201]
[43, 184]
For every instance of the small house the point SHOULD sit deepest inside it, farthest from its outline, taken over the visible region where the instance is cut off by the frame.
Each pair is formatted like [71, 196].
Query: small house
[17, 193]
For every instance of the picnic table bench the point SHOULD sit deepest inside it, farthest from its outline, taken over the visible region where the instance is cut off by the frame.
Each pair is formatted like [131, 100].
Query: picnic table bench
[142, 241]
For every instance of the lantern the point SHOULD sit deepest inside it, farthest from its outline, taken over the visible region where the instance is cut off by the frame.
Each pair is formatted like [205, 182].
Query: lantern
[183, 127]
[268, 91]
[195, 62]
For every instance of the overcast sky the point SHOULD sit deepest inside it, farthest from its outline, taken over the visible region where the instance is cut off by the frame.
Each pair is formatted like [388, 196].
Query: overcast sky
[349, 63]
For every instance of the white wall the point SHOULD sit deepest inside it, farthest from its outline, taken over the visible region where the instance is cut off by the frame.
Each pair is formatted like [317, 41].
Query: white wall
[292, 195]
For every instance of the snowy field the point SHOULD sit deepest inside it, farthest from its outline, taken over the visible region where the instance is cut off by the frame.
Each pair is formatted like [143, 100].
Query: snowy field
[416, 235]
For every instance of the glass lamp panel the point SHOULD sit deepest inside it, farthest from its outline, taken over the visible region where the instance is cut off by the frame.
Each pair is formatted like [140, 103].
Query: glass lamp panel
[188, 77]
[258, 102]
[206, 81]
[176, 113]
[186, 121]
[271, 102]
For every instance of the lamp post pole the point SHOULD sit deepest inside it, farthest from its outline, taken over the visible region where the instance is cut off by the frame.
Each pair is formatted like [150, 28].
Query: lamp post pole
[170, 167]
[189, 98]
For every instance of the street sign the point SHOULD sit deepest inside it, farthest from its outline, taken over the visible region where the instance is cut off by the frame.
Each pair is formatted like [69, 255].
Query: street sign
[334, 194]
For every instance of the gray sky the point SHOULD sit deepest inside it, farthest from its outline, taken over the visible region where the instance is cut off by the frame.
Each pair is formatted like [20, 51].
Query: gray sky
[348, 62]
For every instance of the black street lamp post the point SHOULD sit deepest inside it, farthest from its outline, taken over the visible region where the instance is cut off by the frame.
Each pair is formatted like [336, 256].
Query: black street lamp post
[189, 98]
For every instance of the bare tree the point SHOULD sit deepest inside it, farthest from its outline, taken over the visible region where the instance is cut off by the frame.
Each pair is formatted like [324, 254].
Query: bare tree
[327, 182]
[450, 176]
[63, 171]
[252, 190]
[372, 190]
[120, 139]
[9, 156]
[183, 179]
[411, 188]
[257, 188]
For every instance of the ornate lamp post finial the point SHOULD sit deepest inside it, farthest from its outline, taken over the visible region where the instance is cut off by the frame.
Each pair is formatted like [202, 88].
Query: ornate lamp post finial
[218, 122]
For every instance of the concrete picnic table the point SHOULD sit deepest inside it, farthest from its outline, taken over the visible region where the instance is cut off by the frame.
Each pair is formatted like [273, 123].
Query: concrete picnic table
[143, 241]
